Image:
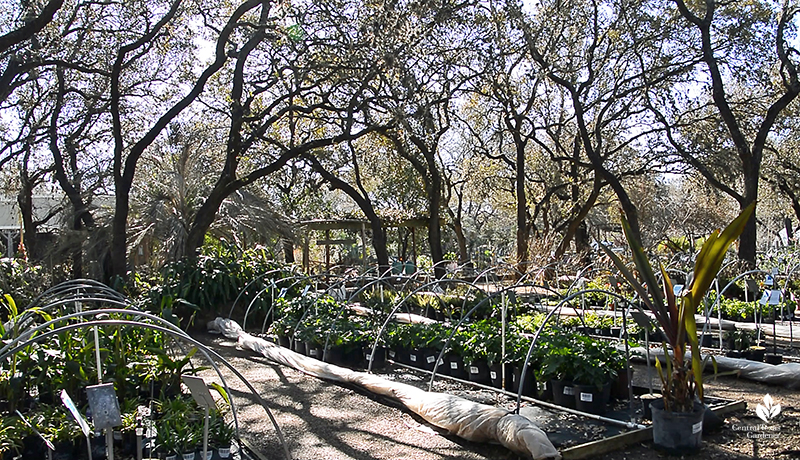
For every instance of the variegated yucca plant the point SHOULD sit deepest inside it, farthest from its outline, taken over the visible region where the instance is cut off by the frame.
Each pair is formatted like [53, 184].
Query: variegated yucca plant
[682, 379]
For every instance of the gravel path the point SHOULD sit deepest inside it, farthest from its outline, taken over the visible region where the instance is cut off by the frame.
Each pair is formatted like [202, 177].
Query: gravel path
[323, 420]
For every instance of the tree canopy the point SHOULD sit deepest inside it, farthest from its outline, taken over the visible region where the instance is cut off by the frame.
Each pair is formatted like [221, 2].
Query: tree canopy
[511, 128]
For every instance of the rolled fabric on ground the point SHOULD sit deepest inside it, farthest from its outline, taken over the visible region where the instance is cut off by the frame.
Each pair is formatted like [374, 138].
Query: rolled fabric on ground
[466, 419]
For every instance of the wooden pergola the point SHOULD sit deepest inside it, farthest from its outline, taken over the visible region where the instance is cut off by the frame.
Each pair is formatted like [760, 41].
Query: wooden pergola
[357, 225]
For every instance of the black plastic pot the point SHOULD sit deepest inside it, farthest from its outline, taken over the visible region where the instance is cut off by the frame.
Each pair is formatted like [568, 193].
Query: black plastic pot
[348, 357]
[64, 451]
[734, 354]
[429, 356]
[647, 399]
[529, 386]
[455, 365]
[479, 372]
[677, 432]
[656, 337]
[563, 393]
[772, 358]
[400, 355]
[756, 354]
[590, 398]
[299, 347]
[283, 340]
[314, 350]
[619, 389]
[379, 360]
[496, 375]
[416, 357]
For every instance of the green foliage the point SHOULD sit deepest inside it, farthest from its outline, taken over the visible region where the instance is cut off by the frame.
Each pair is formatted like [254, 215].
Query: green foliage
[683, 380]
[214, 279]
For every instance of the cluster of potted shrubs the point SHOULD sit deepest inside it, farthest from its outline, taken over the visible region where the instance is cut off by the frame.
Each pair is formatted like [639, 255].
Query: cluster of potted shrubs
[581, 369]
[147, 382]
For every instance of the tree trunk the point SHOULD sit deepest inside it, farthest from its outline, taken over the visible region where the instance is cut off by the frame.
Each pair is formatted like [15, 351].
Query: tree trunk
[434, 226]
[118, 269]
[288, 250]
[522, 209]
[203, 219]
[578, 220]
[461, 240]
[747, 240]
[25, 202]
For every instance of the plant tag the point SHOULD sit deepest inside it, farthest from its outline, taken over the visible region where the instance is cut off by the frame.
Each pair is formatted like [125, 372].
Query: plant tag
[473, 370]
[75, 413]
[312, 352]
[413, 358]
[697, 427]
[587, 397]
[392, 354]
[569, 391]
[35, 431]
[431, 359]
[493, 375]
[541, 386]
[368, 356]
[453, 365]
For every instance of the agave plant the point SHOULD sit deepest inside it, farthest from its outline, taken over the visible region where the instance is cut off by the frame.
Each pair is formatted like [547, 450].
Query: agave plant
[682, 380]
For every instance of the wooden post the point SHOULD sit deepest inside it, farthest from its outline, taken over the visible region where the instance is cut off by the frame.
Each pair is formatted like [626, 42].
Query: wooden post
[306, 250]
[364, 244]
[414, 245]
[327, 250]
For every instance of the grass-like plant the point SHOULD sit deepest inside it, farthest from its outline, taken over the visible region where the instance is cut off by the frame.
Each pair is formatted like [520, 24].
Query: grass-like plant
[682, 380]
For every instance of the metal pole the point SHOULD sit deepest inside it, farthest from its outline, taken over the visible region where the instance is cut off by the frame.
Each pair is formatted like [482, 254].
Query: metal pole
[110, 443]
[504, 301]
[109, 431]
[97, 356]
[205, 436]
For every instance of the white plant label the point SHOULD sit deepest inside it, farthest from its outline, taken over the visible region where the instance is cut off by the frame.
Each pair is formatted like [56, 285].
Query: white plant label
[453, 365]
[413, 358]
[473, 370]
[569, 391]
[431, 359]
[697, 427]
[392, 354]
[493, 374]
[587, 397]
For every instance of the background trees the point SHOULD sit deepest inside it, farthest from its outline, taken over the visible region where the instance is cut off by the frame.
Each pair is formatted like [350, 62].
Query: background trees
[498, 123]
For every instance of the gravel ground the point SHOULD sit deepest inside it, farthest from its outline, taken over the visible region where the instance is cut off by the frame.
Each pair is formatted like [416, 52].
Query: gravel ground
[323, 420]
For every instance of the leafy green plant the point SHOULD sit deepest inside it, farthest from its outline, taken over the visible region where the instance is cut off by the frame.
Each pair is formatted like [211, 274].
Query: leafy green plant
[682, 379]
[12, 432]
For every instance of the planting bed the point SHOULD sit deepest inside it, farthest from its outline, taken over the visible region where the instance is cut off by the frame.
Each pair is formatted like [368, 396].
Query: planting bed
[325, 420]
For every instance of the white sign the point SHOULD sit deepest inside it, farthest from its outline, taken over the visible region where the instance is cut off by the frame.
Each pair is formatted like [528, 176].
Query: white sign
[75, 413]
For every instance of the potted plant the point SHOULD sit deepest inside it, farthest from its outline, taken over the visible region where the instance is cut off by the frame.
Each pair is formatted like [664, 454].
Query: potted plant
[678, 416]
[559, 366]
[220, 435]
[593, 374]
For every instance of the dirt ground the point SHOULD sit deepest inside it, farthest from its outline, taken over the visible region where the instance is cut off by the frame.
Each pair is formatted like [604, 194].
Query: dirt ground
[323, 420]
